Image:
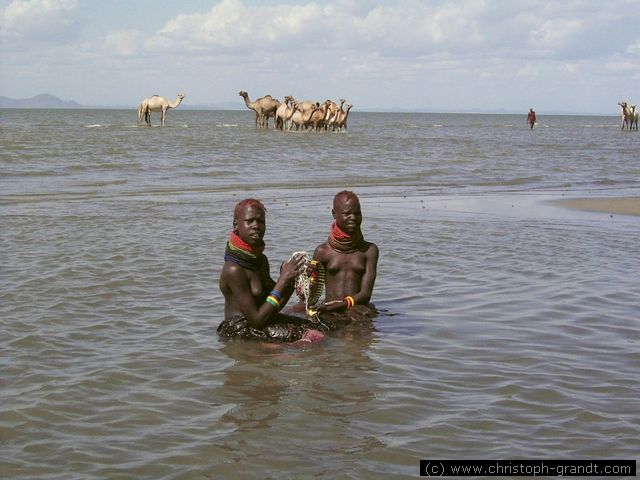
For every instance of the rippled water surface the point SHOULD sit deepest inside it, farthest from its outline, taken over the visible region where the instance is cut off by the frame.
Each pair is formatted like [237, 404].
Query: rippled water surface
[510, 326]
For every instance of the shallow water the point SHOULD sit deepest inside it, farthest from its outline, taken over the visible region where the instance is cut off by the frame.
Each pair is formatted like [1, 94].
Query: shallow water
[509, 326]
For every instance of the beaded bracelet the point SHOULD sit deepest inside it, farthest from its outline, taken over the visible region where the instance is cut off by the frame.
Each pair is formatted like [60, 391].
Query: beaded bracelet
[273, 301]
[350, 301]
[276, 294]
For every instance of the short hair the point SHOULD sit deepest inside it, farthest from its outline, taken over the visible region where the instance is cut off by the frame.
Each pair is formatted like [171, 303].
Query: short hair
[347, 195]
[247, 202]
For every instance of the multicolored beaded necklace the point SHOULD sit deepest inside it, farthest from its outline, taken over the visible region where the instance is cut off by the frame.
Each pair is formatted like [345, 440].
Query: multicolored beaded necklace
[240, 252]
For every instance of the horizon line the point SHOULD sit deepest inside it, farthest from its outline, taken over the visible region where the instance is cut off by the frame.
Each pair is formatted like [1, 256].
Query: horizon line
[204, 107]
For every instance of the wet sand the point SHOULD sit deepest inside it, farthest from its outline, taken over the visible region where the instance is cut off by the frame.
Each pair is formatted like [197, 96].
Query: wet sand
[612, 205]
[520, 205]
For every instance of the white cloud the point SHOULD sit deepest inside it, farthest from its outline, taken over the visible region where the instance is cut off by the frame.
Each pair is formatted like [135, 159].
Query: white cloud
[466, 51]
[465, 28]
[38, 19]
[124, 42]
[556, 32]
[623, 67]
[528, 71]
[399, 29]
[231, 26]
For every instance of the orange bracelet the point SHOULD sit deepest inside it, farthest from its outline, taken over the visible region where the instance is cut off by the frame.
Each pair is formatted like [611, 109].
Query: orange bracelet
[350, 301]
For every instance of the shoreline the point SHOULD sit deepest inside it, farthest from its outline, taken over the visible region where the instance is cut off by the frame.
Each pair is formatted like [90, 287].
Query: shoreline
[611, 205]
[538, 205]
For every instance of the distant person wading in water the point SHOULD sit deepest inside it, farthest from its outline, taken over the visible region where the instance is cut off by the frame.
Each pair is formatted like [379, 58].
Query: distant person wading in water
[531, 118]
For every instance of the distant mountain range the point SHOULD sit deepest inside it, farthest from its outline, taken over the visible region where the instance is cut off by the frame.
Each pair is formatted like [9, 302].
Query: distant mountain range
[47, 100]
[39, 101]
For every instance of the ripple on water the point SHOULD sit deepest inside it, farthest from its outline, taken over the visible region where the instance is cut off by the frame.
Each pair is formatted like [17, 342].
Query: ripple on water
[508, 327]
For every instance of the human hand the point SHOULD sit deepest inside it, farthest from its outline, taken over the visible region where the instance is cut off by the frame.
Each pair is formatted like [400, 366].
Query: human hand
[292, 268]
[331, 306]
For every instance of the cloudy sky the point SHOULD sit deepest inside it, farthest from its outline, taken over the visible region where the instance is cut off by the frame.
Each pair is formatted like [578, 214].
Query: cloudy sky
[577, 56]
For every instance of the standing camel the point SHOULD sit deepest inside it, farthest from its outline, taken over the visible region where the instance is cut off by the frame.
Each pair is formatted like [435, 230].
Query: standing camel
[342, 117]
[319, 118]
[264, 107]
[333, 115]
[626, 114]
[284, 112]
[634, 117]
[301, 119]
[156, 103]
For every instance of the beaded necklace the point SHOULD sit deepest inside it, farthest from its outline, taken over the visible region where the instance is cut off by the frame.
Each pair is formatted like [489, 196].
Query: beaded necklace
[342, 242]
[240, 252]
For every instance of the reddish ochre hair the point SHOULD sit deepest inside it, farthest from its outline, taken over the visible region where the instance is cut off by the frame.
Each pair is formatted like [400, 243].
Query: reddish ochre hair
[247, 202]
[345, 194]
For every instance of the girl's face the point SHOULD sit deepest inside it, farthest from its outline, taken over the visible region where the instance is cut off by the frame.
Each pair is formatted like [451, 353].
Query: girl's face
[251, 225]
[347, 214]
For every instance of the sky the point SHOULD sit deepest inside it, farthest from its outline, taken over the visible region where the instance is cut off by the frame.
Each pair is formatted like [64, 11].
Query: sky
[556, 56]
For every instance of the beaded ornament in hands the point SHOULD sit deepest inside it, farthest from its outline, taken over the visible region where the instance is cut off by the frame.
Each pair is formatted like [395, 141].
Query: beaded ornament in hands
[310, 283]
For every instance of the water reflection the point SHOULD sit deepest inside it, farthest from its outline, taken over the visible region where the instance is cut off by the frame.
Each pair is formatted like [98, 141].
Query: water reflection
[250, 385]
[268, 383]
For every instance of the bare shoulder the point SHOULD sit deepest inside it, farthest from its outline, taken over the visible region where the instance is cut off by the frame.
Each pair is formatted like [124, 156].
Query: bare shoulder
[322, 251]
[231, 271]
[372, 249]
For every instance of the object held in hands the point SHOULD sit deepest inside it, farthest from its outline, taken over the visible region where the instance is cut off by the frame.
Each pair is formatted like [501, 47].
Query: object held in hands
[310, 283]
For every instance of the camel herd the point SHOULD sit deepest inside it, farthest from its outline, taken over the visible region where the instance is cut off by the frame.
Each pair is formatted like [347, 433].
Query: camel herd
[308, 114]
[299, 115]
[629, 115]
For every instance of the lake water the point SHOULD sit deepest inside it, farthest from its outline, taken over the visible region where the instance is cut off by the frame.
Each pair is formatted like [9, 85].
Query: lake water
[510, 325]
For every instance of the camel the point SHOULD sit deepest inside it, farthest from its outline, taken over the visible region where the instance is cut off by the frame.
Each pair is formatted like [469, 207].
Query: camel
[143, 109]
[634, 117]
[342, 117]
[626, 114]
[286, 121]
[301, 119]
[264, 107]
[307, 105]
[156, 103]
[284, 112]
[333, 115]
[318, 119]
[271, 114]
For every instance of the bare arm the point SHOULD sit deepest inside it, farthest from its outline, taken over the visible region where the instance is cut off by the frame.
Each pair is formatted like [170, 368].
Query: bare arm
[238, 285]
[369, 277]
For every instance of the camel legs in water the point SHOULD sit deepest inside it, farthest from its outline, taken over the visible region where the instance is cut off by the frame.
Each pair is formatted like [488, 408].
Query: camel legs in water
[141, 111]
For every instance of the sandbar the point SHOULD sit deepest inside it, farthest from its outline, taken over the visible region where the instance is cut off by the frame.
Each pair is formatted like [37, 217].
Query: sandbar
[612, 205]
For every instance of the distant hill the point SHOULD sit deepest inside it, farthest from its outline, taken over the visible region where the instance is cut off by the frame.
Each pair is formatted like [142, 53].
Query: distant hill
[47, 100]
[44, 100]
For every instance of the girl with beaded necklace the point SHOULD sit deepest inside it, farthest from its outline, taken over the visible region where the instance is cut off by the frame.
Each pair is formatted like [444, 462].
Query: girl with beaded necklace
[350, 265]
[252, 299]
